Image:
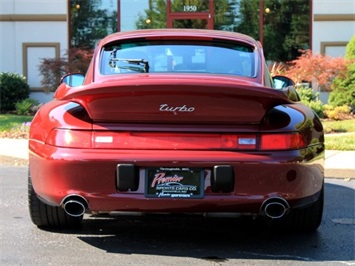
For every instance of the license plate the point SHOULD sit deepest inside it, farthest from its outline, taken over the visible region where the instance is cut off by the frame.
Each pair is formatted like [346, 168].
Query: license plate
[174, 182]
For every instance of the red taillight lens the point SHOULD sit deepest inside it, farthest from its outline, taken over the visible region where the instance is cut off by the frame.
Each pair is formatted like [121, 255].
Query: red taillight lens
[149, 140]
[172, 141]
[282, 141]
[70, 138]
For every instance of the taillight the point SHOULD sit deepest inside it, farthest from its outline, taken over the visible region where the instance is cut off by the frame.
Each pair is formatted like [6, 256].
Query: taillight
[282, 141]
[70, 138]
[173, 141]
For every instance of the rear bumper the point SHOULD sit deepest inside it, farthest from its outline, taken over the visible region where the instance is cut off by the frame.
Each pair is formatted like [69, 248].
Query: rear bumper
[296, 176]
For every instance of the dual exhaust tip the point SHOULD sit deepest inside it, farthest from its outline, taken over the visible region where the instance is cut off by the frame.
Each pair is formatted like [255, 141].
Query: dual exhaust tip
[274, 208]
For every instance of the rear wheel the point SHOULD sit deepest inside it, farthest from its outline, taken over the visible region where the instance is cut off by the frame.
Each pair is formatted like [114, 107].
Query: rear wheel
[46, 216]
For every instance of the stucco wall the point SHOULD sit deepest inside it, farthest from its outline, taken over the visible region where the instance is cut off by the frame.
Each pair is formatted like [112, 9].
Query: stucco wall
[29, 31]
[333, 26]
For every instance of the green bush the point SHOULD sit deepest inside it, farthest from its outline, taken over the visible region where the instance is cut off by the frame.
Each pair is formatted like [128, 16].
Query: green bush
[26, 107]
[309, 98]
[336, 113]
[13, 88]
[343, 86]
[306, 94]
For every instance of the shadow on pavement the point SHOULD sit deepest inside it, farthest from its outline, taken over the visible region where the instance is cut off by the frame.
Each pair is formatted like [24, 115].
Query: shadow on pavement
[222, 239]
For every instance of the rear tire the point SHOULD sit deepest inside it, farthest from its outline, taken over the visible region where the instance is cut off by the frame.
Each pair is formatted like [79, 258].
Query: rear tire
[46, 216]
[306, 219]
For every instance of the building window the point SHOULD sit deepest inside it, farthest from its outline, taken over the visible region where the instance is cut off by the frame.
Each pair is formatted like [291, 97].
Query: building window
[91, 20]
[282, 22]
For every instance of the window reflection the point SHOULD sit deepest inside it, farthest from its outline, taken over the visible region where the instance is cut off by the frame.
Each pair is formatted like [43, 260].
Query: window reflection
[178, 56]
[91, 20]
[139, 14]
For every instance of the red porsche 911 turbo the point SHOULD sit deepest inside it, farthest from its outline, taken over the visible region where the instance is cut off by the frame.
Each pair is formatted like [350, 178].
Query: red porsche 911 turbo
[176, 121]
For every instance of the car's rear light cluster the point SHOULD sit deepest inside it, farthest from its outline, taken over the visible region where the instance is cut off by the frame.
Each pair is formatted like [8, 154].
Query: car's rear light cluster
[173, 141]
[282, 141]
[70, 138]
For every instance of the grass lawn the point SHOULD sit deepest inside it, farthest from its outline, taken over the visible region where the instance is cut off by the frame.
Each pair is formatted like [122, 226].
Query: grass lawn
[12, 122]
[339, 126]
[12, 126]
[342, 142]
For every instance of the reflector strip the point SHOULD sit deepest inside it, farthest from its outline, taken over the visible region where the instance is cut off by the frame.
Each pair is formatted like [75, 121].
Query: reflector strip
[108, 139]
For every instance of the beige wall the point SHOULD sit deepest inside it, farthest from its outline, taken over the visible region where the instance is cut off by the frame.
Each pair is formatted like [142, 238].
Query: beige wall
[31, 30]
[333, 26]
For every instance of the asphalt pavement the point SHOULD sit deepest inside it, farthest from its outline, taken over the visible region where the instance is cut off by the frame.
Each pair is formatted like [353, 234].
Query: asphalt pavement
[338, 164]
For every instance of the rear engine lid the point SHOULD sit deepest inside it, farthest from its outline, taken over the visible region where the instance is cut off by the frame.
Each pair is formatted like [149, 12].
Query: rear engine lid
[188, 99]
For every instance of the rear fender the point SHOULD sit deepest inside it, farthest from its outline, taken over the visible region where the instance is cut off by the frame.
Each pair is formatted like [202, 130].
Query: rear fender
[58, 114]
[294, 117]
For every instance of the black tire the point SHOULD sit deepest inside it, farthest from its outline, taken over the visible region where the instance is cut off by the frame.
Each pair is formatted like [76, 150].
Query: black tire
[306, 219]
[46, 216]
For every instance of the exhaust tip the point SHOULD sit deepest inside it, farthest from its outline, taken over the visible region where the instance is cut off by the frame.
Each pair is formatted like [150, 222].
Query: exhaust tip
[74, 205]
[275, 208]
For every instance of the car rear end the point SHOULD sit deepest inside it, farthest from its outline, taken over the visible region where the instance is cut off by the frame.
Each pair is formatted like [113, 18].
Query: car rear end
[149, 136]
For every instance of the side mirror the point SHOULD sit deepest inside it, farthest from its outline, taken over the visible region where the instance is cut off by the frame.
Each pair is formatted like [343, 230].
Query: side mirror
[281, 82]
[73, 79]
[288, 86]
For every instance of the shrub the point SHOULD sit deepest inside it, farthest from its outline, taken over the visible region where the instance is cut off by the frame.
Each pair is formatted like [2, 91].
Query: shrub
[316, 68]
[336, 113]
[26, 107]
[309, 98]
[317, 107]
[307, 94]
[13, 88]
[343, 86]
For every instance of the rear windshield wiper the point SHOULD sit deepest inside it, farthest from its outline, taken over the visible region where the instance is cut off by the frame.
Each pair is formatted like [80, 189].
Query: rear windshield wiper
[142, 64]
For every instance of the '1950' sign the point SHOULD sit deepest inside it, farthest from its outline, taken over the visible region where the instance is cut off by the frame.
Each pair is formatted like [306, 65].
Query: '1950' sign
[190, 8]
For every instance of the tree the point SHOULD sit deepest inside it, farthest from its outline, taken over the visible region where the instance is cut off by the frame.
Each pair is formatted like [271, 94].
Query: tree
[248, 18]
[52, 69]
[226, 14]
[286, 26]
[317, 69]
[89, 23]
[154, 17]
[343, 87]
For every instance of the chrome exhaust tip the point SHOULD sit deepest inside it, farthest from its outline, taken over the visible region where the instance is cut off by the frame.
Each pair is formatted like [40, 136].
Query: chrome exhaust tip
[74, 205]
[275, 208]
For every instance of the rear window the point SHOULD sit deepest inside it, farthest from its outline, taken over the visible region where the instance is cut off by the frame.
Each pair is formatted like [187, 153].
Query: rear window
[178, 56]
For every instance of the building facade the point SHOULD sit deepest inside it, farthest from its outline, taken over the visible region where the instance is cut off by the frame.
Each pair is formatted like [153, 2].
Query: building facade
[333, 25]
[34, 29]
